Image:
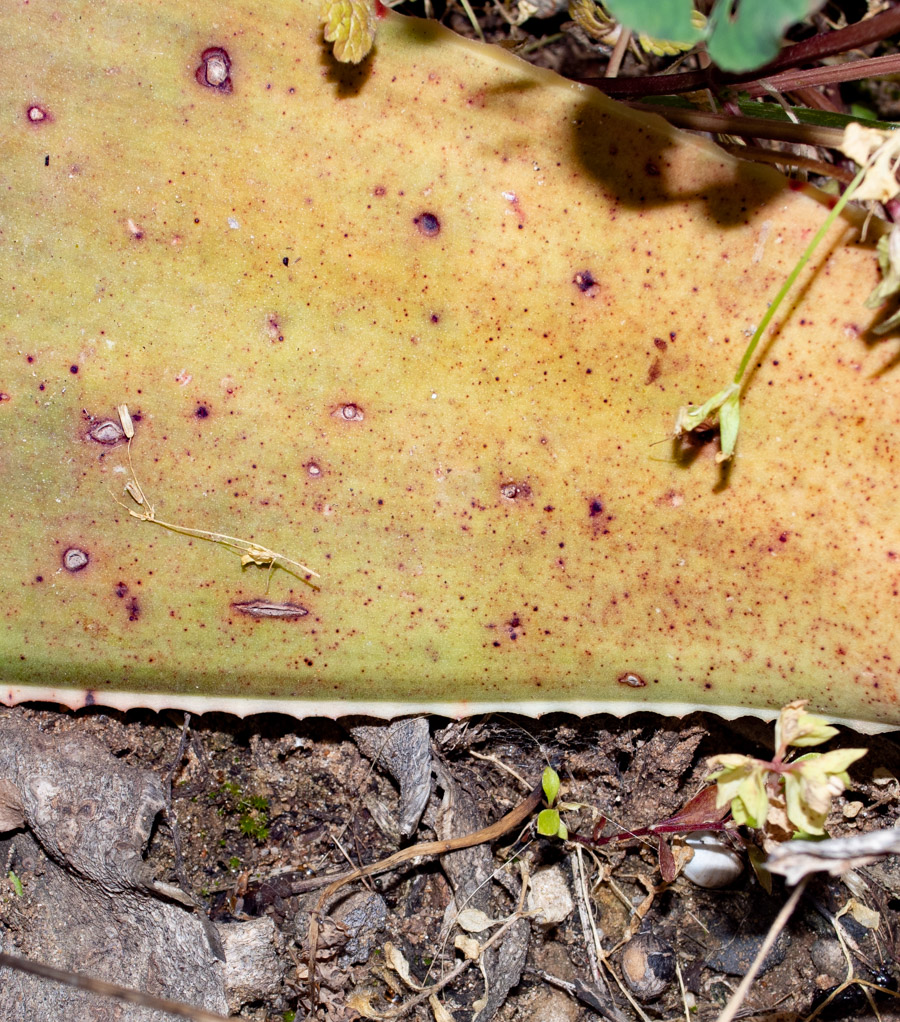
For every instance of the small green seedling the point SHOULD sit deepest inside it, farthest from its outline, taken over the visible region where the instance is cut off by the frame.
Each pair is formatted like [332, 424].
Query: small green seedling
[878, 154]
[249, 553]
[549, 823]
[785, 796]
[16, 884]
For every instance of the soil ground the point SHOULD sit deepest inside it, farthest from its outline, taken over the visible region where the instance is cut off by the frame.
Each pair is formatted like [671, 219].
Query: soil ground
[262, 805]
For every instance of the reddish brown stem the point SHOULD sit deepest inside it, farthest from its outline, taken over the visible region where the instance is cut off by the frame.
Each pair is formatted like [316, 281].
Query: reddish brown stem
[651, 831]
[852, 71]
[810, 51]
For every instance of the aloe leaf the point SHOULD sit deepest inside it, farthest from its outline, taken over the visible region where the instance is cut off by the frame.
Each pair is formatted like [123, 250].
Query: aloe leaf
[422, 325]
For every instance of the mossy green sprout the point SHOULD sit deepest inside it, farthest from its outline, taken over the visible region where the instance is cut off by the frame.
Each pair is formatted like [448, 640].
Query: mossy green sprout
[252, 811]
[877, 153]
[249, 552]
[786, 793]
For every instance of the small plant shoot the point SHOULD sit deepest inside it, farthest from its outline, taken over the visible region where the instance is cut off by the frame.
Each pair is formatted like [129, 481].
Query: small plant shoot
[549, 823]
[878, 154]
[785, 795]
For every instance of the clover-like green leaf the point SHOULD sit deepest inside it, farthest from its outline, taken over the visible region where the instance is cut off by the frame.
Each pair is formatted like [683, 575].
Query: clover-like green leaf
[662, 19]
[549, 823]
[800, 812]
[739, 37]
[812, 782]
[550, 784]
[797, 727]
[747, 35]
[742, 782]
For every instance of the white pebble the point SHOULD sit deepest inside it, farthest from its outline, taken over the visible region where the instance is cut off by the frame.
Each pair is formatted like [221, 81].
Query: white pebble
[715, 862]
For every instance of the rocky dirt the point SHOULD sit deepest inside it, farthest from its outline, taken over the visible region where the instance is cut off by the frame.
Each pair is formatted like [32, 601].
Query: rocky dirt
[264, 807]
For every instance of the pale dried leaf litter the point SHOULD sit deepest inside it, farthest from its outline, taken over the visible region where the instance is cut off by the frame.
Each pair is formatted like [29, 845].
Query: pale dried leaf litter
[350, 26]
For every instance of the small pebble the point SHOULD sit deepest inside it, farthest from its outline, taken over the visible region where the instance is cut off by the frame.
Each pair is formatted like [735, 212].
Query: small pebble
[648, 965]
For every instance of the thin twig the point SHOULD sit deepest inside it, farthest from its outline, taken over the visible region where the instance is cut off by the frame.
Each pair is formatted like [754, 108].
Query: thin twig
[788, 159]
[831, 74]
[514, 818]
[591, 938]
[618, 53]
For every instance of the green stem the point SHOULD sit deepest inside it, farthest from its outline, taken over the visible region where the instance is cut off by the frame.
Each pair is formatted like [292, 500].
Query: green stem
[797, 270]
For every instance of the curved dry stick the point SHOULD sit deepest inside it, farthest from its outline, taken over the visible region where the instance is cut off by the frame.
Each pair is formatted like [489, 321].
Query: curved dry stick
[514, 818]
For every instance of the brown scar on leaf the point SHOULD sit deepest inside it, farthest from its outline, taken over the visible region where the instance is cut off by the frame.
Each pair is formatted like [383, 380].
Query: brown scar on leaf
[268, 608]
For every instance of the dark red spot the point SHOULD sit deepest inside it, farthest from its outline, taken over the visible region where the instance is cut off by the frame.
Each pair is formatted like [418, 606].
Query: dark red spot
[121, 589]
[795, 185]
[595, 507]
[428, 224]
[650, 169]
[380, 10]
[4, 396]
[73, 370]
[38, 114]
[631, 679]
[134, 610]
[660, 343]
[584, 281]
[47, 160]
[435, 318]
[654, 372]
[284, 260]
[201, 412]
[514, 623]
[39, 578]
[29, 359]
[214, 71]
[379, 190]
[783, 538]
